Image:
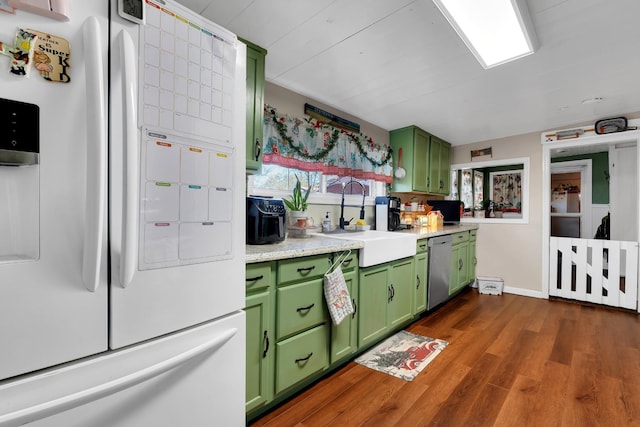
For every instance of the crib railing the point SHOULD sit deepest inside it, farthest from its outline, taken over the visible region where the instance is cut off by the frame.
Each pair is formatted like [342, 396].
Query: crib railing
[597, 271]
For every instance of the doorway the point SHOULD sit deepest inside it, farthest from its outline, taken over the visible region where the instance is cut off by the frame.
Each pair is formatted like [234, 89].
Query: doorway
[576, 264]
[570, 206]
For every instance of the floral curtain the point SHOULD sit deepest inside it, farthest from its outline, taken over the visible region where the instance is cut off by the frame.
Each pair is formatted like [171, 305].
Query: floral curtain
[310, 145]
[507, 190]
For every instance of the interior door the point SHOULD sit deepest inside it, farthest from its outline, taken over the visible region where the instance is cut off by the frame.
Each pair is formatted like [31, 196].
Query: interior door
[571, 199]
[49, 208]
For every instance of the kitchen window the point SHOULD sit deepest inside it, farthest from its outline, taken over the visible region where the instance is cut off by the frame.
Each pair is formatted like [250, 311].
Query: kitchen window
[278, 181]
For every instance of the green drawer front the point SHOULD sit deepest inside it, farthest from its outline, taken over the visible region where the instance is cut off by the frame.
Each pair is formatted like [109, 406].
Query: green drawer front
[460, 238]
[300, 306]
[421, 245]
[301, 356]
[297, 269]
[259, 276]
[472, 235]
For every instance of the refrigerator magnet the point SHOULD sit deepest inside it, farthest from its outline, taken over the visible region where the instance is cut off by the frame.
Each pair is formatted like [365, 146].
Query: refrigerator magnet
[20, 53]
[51, 57]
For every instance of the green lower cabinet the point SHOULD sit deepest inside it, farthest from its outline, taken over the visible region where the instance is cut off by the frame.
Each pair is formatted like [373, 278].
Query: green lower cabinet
[401, 282]
[301, 356]
[420, 298]
[472, 260]
[386, 294]
[459, 273]
[260, 334]
[344, 337]
[259, 356]
[373, 298]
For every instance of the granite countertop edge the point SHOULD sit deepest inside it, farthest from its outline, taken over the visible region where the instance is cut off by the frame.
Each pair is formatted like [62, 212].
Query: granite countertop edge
[317, 245]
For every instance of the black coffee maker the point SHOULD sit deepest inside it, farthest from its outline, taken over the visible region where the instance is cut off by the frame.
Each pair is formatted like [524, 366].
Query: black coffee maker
[387, 213]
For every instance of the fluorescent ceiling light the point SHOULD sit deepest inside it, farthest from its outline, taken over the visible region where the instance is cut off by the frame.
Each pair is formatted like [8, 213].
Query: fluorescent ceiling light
[496, 31]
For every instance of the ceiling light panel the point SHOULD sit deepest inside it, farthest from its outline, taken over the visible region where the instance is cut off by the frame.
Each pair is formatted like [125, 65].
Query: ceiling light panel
[496, 31]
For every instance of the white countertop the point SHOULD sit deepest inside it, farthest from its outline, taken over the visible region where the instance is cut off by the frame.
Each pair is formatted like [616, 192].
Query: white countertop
[315, 245]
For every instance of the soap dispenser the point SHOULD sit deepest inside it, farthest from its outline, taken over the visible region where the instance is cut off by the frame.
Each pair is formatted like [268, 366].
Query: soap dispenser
[326, 223]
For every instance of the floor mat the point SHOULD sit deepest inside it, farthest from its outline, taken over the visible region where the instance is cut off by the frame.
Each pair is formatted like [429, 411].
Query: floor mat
[403, 355]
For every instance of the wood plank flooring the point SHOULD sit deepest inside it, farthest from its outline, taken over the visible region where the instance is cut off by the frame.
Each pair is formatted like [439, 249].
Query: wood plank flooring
[511, 361]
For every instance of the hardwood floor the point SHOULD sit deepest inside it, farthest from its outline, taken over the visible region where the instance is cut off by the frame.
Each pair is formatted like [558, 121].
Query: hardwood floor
[511, 361]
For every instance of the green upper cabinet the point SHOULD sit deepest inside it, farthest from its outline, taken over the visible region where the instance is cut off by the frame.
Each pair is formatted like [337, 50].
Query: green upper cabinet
[439, 166]
[412, 144]
[425, 158]
[255, 105]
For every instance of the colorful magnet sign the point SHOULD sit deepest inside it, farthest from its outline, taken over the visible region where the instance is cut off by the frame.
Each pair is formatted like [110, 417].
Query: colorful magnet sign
[51, 56]
[20, 53]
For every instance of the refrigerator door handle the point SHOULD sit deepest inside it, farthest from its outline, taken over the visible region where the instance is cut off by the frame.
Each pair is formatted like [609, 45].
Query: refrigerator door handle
[52, 407]
[130, 160]
[96, 156]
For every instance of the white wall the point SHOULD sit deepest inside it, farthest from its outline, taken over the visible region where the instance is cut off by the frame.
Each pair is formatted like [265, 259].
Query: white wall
[512, 251]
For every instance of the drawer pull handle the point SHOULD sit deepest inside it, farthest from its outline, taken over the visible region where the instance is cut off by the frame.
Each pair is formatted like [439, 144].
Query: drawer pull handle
[422, 247]
[346, 262]
[266, 344]
[304, 359]
[306, 269]
[254, 279]
[309, 307]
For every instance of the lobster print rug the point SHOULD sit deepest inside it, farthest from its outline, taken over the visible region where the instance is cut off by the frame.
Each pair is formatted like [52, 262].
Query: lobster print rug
[403, 355]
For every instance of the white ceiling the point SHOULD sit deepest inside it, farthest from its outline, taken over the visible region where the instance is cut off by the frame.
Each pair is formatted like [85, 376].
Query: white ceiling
[398, 63]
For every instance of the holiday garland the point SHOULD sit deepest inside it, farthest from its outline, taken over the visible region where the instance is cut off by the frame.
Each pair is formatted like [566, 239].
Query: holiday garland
[271, 113]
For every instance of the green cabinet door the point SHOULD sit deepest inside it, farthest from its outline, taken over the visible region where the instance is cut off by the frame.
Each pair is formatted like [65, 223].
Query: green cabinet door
[420, 160]
[420, 297]
[259, 353]
[471, 256]
[439, 166]
[255, 105]
[401, 288]
[344, 337]
[463, 265]
[459, 273]
[414, 143]
[372, 309]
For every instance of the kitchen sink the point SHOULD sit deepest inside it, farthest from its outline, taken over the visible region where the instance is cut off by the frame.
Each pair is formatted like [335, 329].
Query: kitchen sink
[379, 246]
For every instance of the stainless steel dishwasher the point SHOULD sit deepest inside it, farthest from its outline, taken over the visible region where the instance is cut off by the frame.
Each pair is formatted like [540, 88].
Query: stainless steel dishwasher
[439, 270]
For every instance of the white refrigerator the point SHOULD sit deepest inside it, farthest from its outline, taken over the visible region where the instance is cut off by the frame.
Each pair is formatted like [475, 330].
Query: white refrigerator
[121, 216]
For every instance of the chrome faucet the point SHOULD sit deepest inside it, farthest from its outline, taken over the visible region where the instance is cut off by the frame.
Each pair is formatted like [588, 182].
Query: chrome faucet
[344, 186]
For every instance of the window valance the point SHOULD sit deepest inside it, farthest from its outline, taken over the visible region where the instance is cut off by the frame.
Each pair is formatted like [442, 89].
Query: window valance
[311, 145]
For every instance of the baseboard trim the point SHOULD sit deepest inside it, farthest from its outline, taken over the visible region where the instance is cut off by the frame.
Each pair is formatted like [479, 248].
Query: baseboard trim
[524, 292]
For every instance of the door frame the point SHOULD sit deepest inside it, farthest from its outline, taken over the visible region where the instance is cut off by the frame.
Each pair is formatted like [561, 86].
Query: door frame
[550, 144]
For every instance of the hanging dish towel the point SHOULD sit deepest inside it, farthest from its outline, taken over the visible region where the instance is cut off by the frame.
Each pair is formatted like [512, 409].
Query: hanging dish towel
[337, 295]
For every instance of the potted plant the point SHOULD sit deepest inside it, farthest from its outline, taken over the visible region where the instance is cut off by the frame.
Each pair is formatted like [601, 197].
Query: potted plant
[297, 203]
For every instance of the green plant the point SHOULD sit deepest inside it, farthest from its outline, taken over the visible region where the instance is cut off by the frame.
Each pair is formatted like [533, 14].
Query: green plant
[298, 201]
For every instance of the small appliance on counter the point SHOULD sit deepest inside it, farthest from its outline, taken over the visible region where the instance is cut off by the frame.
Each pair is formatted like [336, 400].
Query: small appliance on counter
[387, 213]
[266, 220]
[450, 210]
